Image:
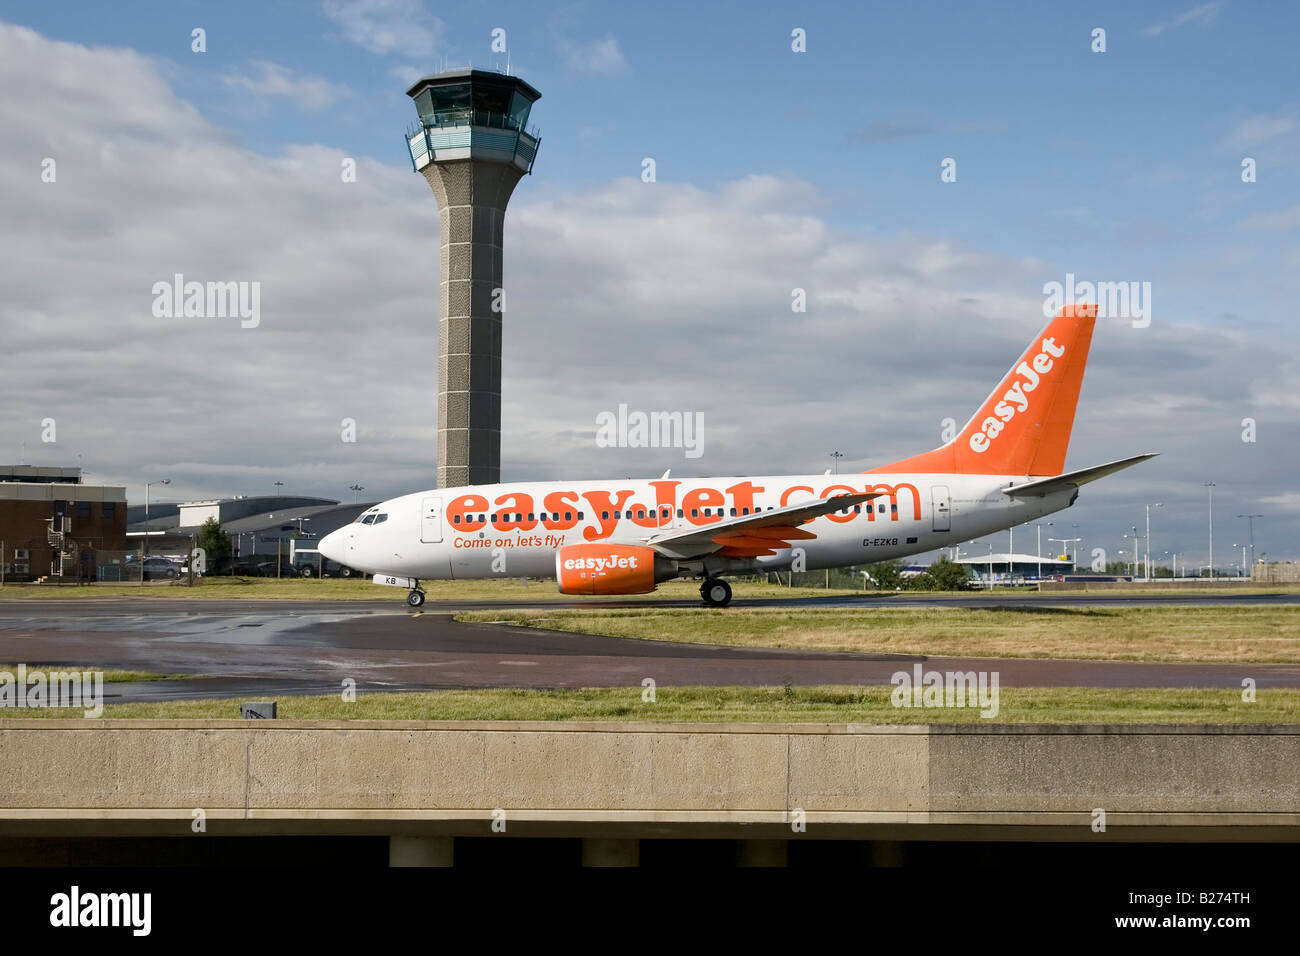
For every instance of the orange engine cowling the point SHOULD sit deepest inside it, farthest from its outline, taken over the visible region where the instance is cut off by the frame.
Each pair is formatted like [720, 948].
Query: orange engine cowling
[610, 569]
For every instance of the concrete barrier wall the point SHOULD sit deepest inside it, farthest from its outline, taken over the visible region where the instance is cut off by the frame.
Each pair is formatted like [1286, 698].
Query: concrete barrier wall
[285, 774]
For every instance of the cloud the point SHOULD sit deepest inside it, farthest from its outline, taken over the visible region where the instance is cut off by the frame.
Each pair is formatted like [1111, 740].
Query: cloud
[270, 79]
[1201, 16]
[1260, 129]
[664, 296]
[599, 55]
[884, 132]
[1277, 220]
[388, 26]
[406, 74]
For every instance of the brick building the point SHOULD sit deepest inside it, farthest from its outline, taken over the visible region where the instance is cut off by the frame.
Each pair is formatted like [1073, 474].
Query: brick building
[53, 524]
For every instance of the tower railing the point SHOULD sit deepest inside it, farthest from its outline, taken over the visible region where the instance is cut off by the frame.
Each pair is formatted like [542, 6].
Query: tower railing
[425, 137]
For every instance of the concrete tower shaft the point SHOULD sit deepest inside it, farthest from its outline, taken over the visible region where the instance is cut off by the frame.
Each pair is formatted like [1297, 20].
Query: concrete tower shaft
[472, 200]
[472, 145]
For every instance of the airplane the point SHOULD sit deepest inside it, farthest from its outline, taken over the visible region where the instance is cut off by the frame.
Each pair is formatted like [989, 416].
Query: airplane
[1004, 468]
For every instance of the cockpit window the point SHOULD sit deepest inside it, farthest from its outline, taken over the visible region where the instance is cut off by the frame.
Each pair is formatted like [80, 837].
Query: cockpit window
[367, 518]
[380, 519]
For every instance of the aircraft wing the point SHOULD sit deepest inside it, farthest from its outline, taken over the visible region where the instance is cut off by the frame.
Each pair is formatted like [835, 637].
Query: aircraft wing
[751, 536]
[1072, 479]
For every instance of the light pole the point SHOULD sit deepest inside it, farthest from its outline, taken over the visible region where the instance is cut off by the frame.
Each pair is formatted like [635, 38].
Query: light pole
[160, 481]
[1210, 485]
[1135, 554]
[356, 490]
[835, 457]
[1074, 562]
[1039, 526]
[1158, 504]
[990, 565]
[1251, 519]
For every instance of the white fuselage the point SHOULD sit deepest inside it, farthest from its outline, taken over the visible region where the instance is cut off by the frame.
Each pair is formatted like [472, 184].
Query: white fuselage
[514, 529]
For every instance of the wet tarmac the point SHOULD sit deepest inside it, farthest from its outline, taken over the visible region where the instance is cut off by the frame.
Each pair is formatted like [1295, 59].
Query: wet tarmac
[251, 649]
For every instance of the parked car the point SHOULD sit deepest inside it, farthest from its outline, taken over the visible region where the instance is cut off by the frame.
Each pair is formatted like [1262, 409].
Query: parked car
[267, 570]
[324, 568]
[158, 569]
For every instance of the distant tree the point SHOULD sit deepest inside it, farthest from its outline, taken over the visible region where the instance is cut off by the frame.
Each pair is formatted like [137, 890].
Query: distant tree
[214, 542]
[885, 574]
[943, 575]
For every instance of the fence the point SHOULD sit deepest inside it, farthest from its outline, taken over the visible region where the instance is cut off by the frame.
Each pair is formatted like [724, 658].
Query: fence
[1276, 572]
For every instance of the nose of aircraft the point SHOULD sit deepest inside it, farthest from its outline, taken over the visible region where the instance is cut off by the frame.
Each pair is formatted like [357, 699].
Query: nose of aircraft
[333, 545]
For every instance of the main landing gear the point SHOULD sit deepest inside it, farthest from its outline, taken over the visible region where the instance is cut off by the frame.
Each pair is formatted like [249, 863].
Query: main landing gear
[416, 597]
[715, 592]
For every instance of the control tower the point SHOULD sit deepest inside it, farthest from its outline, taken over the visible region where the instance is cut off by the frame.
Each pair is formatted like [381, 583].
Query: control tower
[472, 143]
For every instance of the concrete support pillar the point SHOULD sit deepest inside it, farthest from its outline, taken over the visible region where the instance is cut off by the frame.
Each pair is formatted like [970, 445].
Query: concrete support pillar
[611, 852]
[419, 851]
[761, 852]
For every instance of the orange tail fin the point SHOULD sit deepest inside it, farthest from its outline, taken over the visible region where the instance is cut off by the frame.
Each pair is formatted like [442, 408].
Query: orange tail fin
[1023, 428]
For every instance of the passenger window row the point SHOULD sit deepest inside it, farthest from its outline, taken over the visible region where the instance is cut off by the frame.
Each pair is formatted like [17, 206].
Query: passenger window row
[518, 516]
[664, 513]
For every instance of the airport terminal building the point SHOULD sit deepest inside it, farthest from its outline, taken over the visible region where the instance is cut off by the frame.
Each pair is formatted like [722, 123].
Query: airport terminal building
[1005, 568]
[56, 528]
[261, 527]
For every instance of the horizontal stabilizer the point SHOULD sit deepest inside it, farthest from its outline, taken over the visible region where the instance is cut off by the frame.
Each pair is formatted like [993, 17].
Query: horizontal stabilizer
[1046, 486]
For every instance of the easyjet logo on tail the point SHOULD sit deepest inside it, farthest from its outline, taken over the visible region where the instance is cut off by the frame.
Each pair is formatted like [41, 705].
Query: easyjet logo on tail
[1016, 398]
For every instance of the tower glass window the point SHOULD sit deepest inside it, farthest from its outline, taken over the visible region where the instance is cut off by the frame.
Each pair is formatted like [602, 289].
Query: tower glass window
[519, 107]
[446, 105]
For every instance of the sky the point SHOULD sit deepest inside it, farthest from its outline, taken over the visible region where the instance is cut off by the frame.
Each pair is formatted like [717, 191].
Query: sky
[128, 156]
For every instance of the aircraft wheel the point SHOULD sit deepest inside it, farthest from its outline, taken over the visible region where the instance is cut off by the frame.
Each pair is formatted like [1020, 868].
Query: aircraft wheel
[715, 592]
[415, 598]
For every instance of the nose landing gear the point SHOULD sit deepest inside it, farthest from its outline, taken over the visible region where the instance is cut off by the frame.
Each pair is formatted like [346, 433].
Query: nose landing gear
[416, 597]
[715, 592]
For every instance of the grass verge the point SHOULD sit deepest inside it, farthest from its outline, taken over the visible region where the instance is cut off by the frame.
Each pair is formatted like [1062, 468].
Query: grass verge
[110, 676]
[1170, 633]
[828, 704]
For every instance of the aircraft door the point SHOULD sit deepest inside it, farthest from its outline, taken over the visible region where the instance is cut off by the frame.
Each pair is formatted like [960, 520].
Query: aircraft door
[431, 521]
